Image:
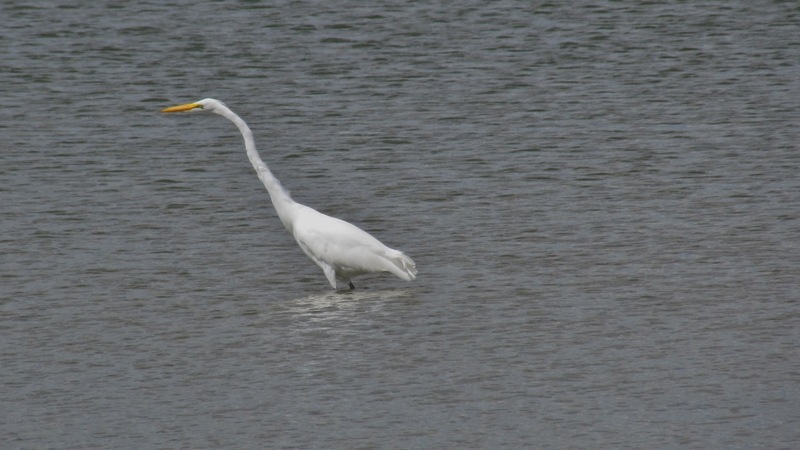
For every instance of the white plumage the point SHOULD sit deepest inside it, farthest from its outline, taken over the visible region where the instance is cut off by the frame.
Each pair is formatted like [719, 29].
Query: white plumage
[340, 249]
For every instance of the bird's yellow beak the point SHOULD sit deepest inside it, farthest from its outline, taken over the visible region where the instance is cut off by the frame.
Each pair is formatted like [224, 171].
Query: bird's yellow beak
[179, 108]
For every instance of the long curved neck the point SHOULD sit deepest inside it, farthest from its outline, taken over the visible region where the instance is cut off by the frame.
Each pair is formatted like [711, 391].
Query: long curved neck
[281, 200]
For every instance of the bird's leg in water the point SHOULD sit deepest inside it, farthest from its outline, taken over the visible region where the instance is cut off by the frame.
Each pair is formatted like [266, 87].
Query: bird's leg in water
[352, 286]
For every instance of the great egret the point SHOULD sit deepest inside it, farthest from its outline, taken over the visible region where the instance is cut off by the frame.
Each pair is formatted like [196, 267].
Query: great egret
[340, 248]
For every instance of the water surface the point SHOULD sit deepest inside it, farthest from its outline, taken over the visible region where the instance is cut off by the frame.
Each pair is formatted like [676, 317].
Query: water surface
[602, 199]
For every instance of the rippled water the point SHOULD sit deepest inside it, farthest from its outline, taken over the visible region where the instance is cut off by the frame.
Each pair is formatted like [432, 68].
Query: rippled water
[602, 199]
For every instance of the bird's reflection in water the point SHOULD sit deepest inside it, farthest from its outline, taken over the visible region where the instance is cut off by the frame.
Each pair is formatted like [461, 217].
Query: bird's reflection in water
[328, 305]
[333, 317]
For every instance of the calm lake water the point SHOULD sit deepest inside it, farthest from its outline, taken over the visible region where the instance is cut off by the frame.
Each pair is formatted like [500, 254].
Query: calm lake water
[602, 198]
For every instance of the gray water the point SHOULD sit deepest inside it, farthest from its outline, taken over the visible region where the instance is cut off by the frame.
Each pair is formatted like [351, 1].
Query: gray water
[602, 198]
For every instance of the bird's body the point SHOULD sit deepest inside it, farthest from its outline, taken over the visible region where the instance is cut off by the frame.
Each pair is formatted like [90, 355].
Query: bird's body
[340, 249]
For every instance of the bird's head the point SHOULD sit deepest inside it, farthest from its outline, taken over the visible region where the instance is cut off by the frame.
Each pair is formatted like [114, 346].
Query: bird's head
[207, 104]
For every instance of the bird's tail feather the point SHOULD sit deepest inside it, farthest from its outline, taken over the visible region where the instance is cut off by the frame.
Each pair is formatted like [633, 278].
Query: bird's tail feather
[402, 265]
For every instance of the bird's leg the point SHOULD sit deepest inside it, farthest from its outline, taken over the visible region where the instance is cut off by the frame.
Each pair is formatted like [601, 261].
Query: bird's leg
[352, 286]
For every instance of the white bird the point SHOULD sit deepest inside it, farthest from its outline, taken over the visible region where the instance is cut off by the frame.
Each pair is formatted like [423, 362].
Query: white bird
[340, 249]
